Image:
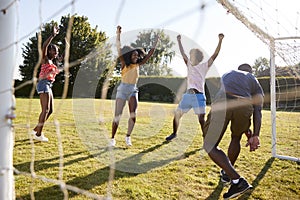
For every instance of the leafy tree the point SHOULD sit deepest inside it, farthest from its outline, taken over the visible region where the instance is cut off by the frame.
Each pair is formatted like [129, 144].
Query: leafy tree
[157, 65]
[84, 40]
[261, 66]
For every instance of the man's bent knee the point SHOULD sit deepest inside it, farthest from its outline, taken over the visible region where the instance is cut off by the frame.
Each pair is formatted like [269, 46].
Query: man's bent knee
[208, 146]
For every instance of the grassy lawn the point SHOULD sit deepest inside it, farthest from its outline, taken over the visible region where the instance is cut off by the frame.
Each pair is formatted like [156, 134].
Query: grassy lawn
[77, 164]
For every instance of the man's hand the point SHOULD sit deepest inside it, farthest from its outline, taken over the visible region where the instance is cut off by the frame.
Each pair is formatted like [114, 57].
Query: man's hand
[253, 142]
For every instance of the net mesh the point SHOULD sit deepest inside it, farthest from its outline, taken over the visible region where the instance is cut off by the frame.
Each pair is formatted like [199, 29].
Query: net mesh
[276, 24]
[90, 129]
[263, 18]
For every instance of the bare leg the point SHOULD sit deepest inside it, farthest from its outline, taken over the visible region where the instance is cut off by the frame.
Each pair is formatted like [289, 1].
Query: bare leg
[201, 120]
[46, 105]
[234, 148]
[120, 103]
[176, 120]
[51, 105]
[220, 158]
[214, 132]
[132, 110]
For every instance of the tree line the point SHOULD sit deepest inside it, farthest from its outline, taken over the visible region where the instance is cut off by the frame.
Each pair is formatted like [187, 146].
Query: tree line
[91, 53]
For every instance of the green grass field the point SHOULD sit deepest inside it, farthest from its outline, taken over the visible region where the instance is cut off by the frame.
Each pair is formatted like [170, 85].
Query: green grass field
[151, 168]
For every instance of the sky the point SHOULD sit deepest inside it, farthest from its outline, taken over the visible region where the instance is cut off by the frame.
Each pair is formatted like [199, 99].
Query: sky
[197, 20]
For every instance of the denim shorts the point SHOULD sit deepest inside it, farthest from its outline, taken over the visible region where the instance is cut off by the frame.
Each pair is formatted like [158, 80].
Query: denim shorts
[125, 91]
[195, 101]
[44, 86]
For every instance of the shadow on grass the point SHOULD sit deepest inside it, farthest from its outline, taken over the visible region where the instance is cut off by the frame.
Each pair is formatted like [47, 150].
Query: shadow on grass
[200, 150]
[21, 142]
[97, 177]
[48, 163]
[24, 142]
[218, 190]
[259, 177]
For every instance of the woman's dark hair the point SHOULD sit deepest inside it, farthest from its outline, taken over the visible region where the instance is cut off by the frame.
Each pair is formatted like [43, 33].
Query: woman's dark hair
[50, 47]
[127, 52]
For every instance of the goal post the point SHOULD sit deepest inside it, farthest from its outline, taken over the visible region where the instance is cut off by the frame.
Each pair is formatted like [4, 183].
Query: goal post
[275, 94]
[266, 22]
[7, 63]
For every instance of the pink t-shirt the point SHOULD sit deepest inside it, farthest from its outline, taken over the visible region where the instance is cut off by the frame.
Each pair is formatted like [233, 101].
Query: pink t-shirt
[196, 75]
[48, 71]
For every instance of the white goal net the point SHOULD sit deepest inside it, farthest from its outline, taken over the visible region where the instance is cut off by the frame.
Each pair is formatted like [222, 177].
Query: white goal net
[40, 174]
[276, 23]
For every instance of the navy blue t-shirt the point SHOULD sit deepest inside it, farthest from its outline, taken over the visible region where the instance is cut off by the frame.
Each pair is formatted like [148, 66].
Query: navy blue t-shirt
[241, 83]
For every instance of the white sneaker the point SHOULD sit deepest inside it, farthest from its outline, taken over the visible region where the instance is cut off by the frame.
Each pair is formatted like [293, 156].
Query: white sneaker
[40, 138]
[128, 141]
[112, 142]
[33, 132]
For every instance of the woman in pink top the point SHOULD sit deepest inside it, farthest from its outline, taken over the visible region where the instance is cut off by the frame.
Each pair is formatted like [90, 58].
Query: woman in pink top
[46, 78]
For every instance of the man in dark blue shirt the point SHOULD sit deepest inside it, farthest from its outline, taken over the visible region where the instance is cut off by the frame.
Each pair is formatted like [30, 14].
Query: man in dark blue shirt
[240, 97]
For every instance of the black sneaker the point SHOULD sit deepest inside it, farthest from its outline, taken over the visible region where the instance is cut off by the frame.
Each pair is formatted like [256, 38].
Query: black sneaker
[237, 189]
[224, 177]
[170, 137]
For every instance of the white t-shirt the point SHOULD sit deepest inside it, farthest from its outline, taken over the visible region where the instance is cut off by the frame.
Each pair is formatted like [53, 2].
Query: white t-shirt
[196, 75]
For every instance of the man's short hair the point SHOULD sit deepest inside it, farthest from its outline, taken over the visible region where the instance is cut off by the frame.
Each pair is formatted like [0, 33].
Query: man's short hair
[245, 67]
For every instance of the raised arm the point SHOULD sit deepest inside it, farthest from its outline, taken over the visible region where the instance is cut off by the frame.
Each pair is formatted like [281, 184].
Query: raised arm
[214, 56]
[118, 43]
[146, 58]
[48, 41]
[184, 56]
